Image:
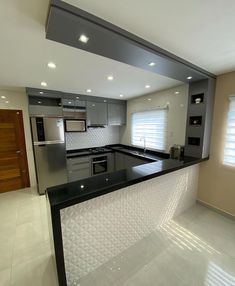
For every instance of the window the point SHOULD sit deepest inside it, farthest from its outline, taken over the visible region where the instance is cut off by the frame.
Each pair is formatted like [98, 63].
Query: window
[229, 150]
[151, 127]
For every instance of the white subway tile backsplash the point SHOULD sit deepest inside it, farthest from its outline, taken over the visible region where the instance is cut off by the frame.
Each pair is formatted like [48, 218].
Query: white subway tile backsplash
[93, 138]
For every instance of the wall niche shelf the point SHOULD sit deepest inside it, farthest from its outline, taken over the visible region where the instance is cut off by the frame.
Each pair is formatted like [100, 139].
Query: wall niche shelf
[197, 98]
[195, 120]
[195, 141]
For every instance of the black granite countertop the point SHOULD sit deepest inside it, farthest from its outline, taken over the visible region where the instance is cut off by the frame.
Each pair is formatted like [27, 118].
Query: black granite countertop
[129, 150]
[87, 152]
[139, 153]
[76, 192]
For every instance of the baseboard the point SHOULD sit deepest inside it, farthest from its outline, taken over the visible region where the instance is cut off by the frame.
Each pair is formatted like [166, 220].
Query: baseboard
[222, 212]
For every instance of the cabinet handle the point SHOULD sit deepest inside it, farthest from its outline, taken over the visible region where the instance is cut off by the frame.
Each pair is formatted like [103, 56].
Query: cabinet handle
[99, 161]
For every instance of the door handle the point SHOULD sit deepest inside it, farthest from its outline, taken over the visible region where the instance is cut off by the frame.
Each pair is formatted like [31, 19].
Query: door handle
[18, 151]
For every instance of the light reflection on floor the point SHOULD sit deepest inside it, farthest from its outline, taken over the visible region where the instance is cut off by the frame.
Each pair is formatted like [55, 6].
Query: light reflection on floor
[194, 249]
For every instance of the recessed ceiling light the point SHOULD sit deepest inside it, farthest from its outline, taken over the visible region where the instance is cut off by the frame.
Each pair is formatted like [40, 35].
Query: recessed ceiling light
[83, 38]
[177, 92]
[7, 101]
[51, 65]
[41, 92]
[43, 83]
[147, 86]
[88, 90]
[189, 77]
[121, 95]
[82, 186]
[152, 64]
[149, 99]
[3, 96]
[110, 77]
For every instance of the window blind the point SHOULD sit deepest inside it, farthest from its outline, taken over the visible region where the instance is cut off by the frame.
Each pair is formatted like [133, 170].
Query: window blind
[229, 150]
[150, 126]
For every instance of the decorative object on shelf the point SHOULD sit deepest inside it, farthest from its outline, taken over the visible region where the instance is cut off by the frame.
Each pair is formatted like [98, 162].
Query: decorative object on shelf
[195, 120]
[197, 98]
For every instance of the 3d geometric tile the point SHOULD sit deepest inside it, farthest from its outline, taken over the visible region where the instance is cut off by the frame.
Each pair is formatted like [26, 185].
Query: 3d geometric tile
[99, 229]
[93, 138]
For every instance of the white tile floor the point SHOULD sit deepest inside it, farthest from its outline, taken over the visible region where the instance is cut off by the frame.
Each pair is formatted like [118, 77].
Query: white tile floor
[197, 248]
[25, 255]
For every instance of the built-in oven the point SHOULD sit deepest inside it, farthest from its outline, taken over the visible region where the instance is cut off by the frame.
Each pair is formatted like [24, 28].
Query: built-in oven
[99, 165]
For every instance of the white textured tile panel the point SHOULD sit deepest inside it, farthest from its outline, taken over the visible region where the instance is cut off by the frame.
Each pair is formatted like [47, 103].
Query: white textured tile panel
[93, 138]
[99, 229]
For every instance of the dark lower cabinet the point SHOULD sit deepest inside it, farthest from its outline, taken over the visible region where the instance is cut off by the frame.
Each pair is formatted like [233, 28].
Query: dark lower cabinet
[78, 168]
[123, 161]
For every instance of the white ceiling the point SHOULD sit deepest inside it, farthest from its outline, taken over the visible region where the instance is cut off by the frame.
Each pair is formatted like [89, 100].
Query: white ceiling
[200, 31]
[24, 54]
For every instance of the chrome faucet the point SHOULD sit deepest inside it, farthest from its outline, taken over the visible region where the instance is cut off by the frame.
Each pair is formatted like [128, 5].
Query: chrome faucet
[143, 138]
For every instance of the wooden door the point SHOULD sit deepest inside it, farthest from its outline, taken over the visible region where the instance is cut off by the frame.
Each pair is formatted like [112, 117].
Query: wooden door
[13, 159]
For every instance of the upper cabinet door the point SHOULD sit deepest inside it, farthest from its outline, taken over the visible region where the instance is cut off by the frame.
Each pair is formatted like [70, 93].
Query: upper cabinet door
[70, 103]
[80, 103]
[97, 113]
[116, 114]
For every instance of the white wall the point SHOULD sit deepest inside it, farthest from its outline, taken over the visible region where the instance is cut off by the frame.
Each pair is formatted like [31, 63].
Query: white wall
[177, 114]
[95, 137]
[18, 100]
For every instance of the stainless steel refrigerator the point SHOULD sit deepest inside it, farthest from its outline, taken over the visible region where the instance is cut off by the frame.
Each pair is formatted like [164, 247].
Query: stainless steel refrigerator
[49, 151]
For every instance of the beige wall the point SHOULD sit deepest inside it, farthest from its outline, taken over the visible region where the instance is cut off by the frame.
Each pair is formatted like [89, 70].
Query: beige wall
[217, 181]
[177, 114]
[18, 100]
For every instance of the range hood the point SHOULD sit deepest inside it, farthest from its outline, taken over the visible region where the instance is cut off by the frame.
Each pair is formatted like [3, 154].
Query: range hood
[96, 126]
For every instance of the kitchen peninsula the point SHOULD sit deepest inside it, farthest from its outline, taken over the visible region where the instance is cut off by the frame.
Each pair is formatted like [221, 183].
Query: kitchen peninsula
[99, 218]
[88, 215]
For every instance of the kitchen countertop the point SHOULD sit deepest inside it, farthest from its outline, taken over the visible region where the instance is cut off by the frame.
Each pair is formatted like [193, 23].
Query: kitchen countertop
[86, 152]
[139, 153]
[151, 156]
[79, 191]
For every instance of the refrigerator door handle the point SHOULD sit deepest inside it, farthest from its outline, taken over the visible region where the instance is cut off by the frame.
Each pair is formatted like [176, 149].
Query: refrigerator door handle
[47, 142]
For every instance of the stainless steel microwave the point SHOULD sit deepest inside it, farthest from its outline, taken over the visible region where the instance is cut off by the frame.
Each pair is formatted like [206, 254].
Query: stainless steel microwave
[75, 125]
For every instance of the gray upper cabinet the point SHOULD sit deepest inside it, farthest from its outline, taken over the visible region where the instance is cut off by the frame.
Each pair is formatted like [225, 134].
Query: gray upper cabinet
[116, 114]
[71, 103]
[74, 108]
[80, 103]
[97, 113]
[40, 106]
[68, 102]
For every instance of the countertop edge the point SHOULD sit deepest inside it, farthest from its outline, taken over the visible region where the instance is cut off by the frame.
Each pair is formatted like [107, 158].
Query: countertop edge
[106, 190]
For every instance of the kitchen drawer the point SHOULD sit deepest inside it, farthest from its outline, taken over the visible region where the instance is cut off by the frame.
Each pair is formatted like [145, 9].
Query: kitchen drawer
[78, 174]
[78, 160]
[78, 166]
